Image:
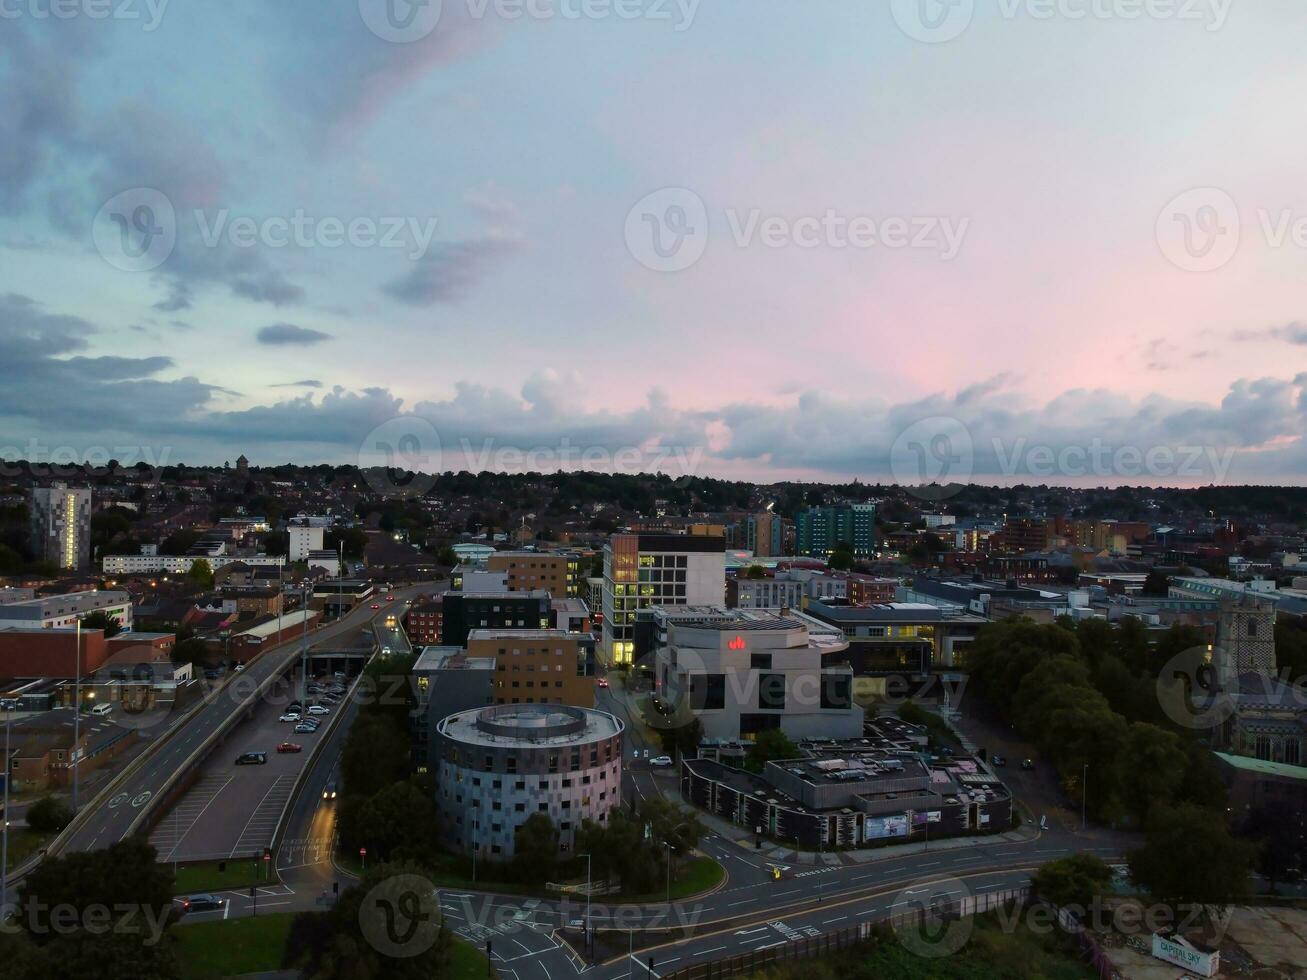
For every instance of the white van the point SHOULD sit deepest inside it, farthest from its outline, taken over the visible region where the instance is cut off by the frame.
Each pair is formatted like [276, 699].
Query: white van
[101, 709]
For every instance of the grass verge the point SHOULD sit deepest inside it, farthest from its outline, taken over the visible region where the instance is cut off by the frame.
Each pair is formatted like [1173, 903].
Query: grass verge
[229, 947]
[205, 876]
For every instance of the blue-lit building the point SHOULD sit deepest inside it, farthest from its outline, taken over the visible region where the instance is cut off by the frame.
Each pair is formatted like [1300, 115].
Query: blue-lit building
[819, 530]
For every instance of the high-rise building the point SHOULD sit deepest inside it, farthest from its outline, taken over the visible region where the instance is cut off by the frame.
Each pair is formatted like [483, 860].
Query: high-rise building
[538, 666]
[821, 530]
[642, 570]
[556, 572]
[462, 612]
[61, 525]
[305, 536]
[764, 534]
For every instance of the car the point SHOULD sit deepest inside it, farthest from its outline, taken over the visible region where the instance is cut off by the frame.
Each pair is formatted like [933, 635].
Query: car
[290, 716]
[202, 903]
[376, 605]
[238, 668]
[661, 761]
[305, 729]
[329, 791]
[390, 598]
[997, 761]
[1027, 764]
[385, 651]
[251, 759]
[290, 747]
[602, 682]
[295, 706]
[318, 709]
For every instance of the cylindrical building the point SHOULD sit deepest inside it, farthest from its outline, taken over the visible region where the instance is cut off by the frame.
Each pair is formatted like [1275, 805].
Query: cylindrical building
[501, 764]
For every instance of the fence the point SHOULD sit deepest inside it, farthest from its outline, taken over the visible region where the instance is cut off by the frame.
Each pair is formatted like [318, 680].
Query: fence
[745, 964]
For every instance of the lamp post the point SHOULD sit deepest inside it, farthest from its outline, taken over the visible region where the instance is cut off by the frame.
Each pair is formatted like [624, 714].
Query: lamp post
[77, 713]
[1084, 796]
[8, 706]
[669, 872]
[587, 899]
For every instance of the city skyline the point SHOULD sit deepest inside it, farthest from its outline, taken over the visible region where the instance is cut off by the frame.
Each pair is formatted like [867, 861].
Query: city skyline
[812, 245]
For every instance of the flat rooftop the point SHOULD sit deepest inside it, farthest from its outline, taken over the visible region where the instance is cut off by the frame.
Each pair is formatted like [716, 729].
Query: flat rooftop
[530, 726]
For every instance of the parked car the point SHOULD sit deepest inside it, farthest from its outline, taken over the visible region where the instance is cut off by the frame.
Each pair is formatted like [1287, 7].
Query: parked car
[202, 903]
[305, 729]
[290, 716]
[289, 747]
[661, 761]
[251, 758]
[102, 709]
[318, 709]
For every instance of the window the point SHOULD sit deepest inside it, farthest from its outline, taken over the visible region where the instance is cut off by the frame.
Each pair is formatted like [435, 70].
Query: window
[771, 691]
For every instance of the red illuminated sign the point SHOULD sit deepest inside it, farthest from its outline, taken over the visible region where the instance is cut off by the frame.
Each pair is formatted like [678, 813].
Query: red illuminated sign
[737, 643]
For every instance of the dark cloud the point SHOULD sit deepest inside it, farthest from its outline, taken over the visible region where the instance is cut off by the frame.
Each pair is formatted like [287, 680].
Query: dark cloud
[307, 383]
[447, 273]
[277, 334]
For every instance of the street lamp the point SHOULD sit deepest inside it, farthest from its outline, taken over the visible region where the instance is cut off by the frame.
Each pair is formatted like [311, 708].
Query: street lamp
[1084, 796]
[8, 706]
[587, 898]
[77, 714]
[669, 872]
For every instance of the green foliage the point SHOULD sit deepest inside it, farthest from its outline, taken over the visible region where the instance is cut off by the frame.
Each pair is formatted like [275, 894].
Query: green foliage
[535, 850]
[1075, 880]
[1189, 856]
[100, 620]
[395, 822]
[624, 852]
[200, 574]
[49, 815]
[769, 745]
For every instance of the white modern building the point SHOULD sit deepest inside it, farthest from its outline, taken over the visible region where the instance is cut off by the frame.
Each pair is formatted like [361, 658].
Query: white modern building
[156, 564]
[744, 671]
[496, 766]
[780, 592]
[643, 570]
[63, 611]
[305, 535]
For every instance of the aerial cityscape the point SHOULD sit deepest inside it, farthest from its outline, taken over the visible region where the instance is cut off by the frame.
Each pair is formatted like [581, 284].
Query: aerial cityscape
[543, 489]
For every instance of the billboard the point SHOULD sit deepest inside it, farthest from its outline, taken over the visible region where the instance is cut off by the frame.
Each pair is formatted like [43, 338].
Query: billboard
[878, 828]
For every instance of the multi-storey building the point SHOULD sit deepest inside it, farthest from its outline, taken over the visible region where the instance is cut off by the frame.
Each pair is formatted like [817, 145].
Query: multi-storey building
[764, 534]
[61, 525]
[499, 765]
[305, 536]
[559, 573]
[741, 672]
[538, 666]
[64, 611]
[424, 622]
[821, 530]
[780, 592]
[462, 612]
[642, 570]
[446, 681]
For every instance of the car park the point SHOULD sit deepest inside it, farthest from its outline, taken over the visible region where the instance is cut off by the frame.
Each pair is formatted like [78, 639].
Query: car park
[289, 747]
[202, 903]
[251, 759]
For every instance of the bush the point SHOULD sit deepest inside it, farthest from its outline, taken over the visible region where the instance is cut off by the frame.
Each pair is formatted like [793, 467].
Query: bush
[49, 815]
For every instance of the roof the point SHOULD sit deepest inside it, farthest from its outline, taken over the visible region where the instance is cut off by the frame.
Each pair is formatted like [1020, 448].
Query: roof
[1262, 767]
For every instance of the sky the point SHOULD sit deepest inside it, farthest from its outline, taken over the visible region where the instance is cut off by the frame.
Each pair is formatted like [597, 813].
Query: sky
[1048, 241]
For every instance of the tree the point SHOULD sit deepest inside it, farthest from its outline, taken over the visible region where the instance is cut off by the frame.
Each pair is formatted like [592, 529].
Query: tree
[768, 745]
[49, 815]
[1075, 880]
[1281, 840]
[100, 620]
[842, 558]
[447, 556]
[755, 572]
[535, 849]
[200, 574]
[1189, 857]
[1156, 584]
[191, 650]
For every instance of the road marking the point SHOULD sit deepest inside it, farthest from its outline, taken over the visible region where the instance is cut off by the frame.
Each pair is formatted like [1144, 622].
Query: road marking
[838, 918]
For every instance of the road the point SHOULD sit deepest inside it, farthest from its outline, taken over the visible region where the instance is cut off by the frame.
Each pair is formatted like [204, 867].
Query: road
[111, 822]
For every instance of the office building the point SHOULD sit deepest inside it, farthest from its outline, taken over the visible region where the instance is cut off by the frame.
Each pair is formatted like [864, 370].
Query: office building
[497, 766]
[643, 570]
[446, 681]
[556, 572]
[64, 611]
[741, 672]
[462, 612]
[821, 530]
[538, 666]
[305, 536]
[61, 526]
